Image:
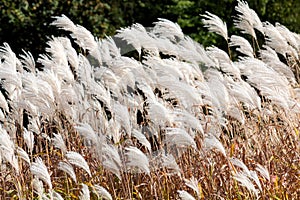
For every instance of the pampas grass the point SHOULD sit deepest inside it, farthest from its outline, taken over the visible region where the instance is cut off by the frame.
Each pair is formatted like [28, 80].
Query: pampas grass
[215, 25]
[176, 121]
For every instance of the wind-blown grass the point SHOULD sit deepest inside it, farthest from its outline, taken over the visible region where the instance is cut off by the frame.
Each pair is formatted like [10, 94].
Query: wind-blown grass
[162, 118]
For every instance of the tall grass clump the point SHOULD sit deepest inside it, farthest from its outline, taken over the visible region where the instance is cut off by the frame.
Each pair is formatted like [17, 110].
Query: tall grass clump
[152, 114]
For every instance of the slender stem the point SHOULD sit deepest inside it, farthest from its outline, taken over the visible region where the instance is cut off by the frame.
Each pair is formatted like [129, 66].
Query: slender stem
[229, 51]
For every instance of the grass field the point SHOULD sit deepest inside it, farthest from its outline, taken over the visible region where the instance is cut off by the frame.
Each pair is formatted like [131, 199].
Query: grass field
[151, 114]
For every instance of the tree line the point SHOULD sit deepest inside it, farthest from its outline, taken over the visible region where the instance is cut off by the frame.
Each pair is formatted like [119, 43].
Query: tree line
[25, 24]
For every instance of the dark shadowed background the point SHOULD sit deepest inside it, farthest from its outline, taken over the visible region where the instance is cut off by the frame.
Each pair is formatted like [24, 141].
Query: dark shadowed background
[25, 24]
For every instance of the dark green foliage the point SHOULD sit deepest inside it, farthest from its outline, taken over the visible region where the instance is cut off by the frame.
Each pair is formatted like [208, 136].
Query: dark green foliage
[25, 24]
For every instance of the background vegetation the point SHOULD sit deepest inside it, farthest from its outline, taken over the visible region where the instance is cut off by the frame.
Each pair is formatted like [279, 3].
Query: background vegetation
[25, 24]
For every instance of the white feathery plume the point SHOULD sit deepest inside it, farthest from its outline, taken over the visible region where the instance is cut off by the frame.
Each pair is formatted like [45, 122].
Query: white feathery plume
[211, 142]
[90, 113]
[246, 27]
[87, 132]
[263, 171]
[184, 195]
[270, 57]
[23, 154]
[222, 61]
[100, 92]
[28, 61]
[139, 38]
[85, 72]
[2, 117]
[30, 93]
[297, 38]
[7, 149]
[134, 102]
[191, 72]
[254, 177]
[216, 92]
[193, 184]
[277, 41]
[115, 132]
[39, 170]
[112, 160]
[82, 36]
[59, 142]
[147, 90]
[102, 192]
[56, 196]
[166, 29]
[144, 75]
[215, 24]
[64, 22]
[237, 162]
[11, 81]
[122, 117]
[29, 139]
[71, 53]
[136, 159]
[247, 19]
[166, 46]
[190, 69]
[186, 95]
[164, 67]
[44, 100]
[59, 58]
[193, 52]
[244, 181]
[180, 138]
[36, 89]
[290, 37]
[10, 72]
[85, 192]
[108, 49]
[55, 84]
[77, 160]
[243, 45]
[46, 61]
[125, 70]
[296, 92]
[142, 139]
[69, 96]
[57, 52]
[158, 113]
[108, 78]
[38, 187]
[111, 45]
[28, 106]
[66, 167]
[243, 93]
[271, 84]
[167, 161]
[206, 94]
[186, 119]
[130, 34]
[34, 125]
[234, 110]
[9, 58]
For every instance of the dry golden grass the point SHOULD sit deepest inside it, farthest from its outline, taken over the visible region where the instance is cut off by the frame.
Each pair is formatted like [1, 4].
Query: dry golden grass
[272, 143]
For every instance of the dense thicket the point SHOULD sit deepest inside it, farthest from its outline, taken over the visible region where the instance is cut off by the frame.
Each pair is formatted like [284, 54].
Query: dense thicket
[25, 24]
